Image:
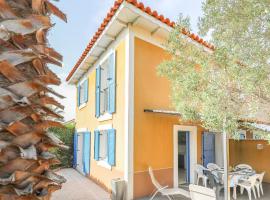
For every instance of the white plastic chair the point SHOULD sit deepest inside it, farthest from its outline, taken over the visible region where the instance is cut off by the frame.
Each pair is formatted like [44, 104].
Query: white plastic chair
[201, 193]
[243, 166]
[213, 166]
[164, 190]
[200, 175]
[258, 183]
[249, 185]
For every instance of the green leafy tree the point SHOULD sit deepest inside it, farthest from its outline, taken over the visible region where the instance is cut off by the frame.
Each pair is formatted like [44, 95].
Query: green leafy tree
[66, 136]
[227, 88]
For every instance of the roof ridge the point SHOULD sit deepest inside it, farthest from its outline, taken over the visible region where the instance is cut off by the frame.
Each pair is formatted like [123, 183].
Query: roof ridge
[145, 9]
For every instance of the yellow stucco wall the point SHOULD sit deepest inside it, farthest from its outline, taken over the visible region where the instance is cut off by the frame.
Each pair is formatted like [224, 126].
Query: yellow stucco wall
[153, 133]
[85, 118]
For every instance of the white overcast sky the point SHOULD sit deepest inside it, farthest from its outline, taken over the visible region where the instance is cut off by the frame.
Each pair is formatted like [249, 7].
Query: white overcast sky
[84, 18]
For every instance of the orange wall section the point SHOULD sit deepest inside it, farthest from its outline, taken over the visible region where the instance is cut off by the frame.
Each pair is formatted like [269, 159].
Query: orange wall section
[245, 151]
[85, 118]
[153, 133]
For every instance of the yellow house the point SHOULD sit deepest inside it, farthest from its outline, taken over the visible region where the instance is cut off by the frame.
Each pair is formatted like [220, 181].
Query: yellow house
[124, 118]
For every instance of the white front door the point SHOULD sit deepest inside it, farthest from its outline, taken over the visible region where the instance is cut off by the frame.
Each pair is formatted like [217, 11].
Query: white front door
[80, 153]
[192, 130]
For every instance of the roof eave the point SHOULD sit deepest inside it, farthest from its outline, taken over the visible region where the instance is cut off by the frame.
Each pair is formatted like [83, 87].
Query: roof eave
[71, 79]
[142, 11]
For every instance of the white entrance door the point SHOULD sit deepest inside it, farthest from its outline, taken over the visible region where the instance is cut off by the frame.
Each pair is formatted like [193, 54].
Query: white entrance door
[192, 131]
[80, 153]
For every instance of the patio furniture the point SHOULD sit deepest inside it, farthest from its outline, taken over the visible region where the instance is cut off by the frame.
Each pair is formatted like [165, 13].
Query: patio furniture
[248, 184]
[201, 193]
[258, 183]
[164, 190]
[213, 166]
[216, 182]
[243, 166]
[200, 175]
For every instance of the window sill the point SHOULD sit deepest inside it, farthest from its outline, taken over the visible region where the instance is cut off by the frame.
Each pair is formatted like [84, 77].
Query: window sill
[104, 164]
[82, 106]
[105, 117]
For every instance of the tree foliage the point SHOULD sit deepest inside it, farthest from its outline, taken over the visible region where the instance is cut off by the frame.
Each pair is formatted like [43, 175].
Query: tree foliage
[226, 87]
[66, 136]
[242, 27]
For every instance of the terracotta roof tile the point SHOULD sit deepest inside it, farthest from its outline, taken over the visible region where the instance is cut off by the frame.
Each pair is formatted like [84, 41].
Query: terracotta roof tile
[155, 14]
[147, 10]
[140, 5]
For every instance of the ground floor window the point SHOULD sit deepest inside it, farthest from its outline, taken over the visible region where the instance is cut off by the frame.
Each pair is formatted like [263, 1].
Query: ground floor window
[105, 146]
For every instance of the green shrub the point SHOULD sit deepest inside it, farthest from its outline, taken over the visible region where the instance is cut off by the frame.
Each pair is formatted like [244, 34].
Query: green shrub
[66, 136]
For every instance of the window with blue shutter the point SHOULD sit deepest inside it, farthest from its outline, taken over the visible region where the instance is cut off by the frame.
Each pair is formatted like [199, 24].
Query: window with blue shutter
[111, 147]
[106, 86]
[82, 93]
[96, 144]
[105, 146]
[111, 83]
[98, 77]
[85, 90]
[78, 95]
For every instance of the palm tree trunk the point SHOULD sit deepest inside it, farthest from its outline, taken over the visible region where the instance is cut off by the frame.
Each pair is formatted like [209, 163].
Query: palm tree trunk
[26, 110]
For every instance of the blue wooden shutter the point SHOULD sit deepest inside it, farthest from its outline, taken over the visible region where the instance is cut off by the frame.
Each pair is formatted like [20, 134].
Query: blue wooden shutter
[85, 90]
[96, 145]
[98, 73]
[75, 142]
[208, 141]
[78, 95]
[86, 152]
[112, 85]
[111, 147]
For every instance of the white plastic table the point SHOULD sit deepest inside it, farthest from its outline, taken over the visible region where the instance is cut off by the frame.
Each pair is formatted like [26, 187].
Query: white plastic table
[234, 177]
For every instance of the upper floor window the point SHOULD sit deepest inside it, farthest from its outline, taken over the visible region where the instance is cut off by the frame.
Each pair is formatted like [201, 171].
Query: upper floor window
[241, 135]
[82, 92]
[105, 86]
[259, 136]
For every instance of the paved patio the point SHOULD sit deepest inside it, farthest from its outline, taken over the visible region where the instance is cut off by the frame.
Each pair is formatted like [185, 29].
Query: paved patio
[79, 187]
[266, 196]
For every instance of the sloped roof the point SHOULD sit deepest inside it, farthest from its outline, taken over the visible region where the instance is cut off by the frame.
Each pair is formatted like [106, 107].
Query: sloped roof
[146, 10]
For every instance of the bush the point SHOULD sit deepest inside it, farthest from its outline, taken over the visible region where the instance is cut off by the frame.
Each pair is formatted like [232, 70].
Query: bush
[66, 136]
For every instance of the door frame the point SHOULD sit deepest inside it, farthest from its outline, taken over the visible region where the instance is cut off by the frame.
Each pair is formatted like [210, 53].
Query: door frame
[80, 133]
[79, 156]
[193, 151]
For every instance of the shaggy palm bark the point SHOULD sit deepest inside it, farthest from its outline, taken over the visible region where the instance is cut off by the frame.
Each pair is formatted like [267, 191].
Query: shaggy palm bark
[26, 100]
